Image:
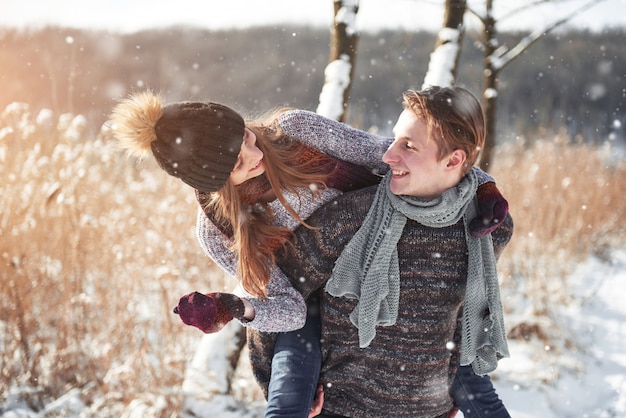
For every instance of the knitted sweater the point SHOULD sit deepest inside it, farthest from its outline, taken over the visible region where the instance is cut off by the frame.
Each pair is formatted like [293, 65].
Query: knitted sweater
[408, 368]
[284, 308]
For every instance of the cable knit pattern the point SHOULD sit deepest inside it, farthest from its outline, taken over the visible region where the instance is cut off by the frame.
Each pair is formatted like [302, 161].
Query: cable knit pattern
[407, 369]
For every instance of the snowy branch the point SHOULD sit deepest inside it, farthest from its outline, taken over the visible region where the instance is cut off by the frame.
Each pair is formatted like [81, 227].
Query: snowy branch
[500, 60]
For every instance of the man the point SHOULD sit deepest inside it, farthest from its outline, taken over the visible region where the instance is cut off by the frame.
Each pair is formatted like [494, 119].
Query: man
[412, 294]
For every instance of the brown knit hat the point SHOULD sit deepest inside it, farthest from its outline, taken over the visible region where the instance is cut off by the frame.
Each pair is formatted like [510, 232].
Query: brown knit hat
[197, 142]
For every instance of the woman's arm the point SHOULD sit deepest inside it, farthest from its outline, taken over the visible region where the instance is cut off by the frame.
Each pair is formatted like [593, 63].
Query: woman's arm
[336, 139]
[344, 142]
[284, 309]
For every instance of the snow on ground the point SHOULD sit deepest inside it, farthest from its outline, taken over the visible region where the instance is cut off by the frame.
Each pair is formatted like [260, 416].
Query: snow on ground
[586, 382]
[592, 380]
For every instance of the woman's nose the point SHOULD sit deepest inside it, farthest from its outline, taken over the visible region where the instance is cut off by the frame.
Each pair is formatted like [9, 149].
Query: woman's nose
[249, 150]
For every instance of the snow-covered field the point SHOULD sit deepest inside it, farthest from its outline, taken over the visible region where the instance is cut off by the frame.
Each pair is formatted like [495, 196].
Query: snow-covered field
[591, 381]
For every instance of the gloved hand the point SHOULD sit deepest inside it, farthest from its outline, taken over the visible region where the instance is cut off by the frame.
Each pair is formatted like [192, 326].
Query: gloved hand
[492, 207]
[211, 312]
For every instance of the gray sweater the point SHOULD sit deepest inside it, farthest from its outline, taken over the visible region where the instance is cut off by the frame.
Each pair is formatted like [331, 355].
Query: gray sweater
[407, 369]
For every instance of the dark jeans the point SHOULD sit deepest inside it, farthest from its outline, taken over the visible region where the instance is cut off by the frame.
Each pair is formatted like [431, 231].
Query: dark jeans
[295, 369]
[475, 395]
[323, 415]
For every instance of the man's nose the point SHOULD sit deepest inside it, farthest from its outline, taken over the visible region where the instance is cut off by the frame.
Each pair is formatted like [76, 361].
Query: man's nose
[389, 155]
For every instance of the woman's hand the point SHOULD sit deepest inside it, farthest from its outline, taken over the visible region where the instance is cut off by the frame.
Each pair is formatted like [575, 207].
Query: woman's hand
[211, 312]
[493, 209]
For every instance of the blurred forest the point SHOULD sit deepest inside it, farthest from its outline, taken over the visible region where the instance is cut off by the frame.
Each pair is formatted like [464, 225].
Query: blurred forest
[572, 80]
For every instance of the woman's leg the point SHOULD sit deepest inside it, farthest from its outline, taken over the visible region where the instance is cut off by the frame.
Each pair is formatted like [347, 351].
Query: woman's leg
[475, 395]
[295, 369]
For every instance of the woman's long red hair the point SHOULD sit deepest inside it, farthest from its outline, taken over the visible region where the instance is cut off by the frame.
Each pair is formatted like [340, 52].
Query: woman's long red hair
[255, 236]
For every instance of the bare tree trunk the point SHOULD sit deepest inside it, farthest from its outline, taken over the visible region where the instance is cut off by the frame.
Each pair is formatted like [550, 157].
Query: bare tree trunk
[490, 87]
[453, 19]
[338, 74]
[441, 70]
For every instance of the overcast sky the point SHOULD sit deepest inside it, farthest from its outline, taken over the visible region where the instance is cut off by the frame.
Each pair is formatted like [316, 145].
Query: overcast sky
[132, 15]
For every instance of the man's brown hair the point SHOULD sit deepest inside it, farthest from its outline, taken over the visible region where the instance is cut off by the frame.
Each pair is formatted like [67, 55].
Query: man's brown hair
[454, 117]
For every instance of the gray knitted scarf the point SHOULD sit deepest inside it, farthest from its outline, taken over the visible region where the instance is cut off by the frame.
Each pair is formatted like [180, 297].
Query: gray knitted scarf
[368, 269]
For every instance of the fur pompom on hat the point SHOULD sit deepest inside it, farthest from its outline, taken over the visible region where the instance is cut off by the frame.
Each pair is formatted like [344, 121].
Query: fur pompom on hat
[197, 142]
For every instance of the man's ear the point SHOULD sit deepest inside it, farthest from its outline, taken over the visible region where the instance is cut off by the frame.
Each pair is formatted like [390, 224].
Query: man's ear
[456, 159]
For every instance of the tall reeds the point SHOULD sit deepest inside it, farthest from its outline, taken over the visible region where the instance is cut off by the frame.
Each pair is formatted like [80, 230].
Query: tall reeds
[95, 252]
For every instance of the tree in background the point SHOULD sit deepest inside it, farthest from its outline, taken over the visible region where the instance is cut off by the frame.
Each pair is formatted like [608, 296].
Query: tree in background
[339, 72]
[444, 60]
[443, 63]
[496, 57]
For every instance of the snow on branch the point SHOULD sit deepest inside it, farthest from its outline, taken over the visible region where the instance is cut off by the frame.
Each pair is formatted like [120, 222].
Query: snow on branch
[442, 60]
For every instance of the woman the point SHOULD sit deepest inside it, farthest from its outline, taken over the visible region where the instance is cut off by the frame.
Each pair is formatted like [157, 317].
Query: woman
[255, 183]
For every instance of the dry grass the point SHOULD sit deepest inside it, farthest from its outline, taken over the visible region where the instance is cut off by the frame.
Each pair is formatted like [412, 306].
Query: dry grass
[567, 201]
[96, 250]
[95, 253]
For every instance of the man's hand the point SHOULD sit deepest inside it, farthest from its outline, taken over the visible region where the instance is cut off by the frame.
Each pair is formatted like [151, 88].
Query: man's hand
[318, 402]
[211, 312]
[492, 207]
[452, 413]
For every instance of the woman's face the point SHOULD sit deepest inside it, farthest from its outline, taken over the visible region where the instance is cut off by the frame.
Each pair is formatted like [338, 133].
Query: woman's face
[250, 160]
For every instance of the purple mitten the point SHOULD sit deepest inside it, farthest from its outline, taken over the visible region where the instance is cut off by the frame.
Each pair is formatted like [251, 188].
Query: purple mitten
[492, 207]
[211, 312]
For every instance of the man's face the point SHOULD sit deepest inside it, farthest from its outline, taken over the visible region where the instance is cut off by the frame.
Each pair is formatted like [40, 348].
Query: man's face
[412, 159]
